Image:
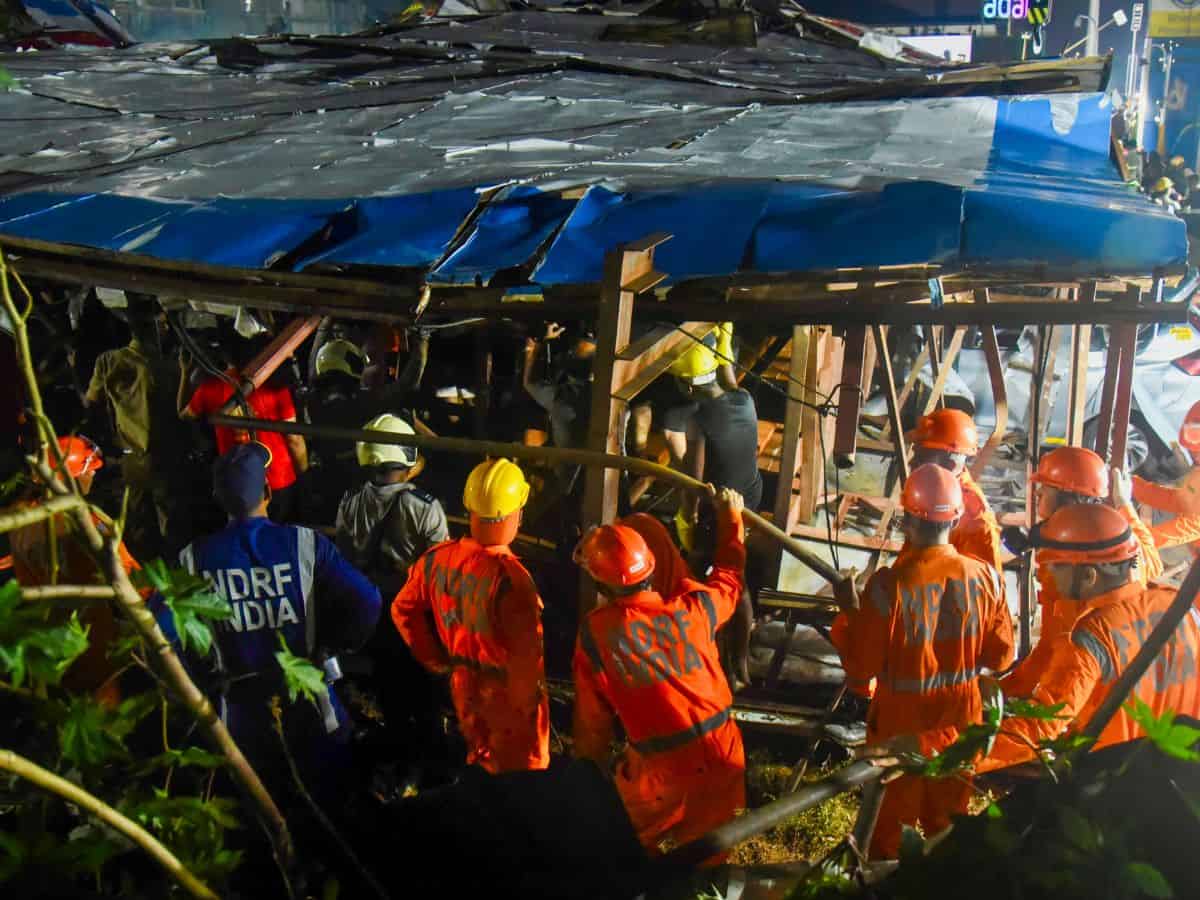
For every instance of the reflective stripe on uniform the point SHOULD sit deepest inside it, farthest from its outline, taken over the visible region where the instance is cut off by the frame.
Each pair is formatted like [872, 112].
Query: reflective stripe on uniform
[328, 714]
[684, 737]
[588, 642]
[306, 553]
[710, 610]
[1085, 640]
[934, 682]
[187, 558]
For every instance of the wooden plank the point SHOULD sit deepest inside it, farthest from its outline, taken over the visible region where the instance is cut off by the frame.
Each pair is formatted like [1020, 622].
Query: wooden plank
[889, 387]
[1081, 341]
[850, 397]
[995, 364]
[943, 375]
[862, 542]
[789, 457]
[633, 374]
[1123, 401]
[817, 430]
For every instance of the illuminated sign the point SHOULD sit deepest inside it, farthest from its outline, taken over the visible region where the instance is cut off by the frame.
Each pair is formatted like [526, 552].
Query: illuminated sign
[1006, 9]
[1174, 18]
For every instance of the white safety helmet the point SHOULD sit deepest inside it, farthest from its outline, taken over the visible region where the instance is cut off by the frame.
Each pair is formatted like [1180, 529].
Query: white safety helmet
[370, 454]
[342, 356]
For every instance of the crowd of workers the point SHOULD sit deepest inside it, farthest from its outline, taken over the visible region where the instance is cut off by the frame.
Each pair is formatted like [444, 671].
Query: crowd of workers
[927, 638]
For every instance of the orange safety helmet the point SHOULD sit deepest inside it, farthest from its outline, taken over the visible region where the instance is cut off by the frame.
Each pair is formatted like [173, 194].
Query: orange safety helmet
[615, 555]
[1189, 431]
[1084, 534]
[1074, 469]
[951, 430]
[933, 494]
[81, 454]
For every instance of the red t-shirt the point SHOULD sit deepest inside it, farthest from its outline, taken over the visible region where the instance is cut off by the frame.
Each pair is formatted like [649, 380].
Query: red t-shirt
[266, 403]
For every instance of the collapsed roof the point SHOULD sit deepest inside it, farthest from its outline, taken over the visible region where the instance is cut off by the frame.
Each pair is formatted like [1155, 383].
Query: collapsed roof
[521, 147]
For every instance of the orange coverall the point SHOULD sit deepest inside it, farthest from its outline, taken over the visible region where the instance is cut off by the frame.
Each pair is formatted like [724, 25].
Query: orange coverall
[926, 628]
[1183, 500]
[474, 611]
[977, 533]
[1059, 615]
[93, 670]
[653, 663]
[1082, 666]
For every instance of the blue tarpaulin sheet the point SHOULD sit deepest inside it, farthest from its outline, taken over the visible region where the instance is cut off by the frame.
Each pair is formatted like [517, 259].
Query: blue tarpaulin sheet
[1026, 183]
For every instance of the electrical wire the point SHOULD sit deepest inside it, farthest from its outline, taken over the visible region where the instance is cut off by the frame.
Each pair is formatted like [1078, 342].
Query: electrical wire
[206, 363]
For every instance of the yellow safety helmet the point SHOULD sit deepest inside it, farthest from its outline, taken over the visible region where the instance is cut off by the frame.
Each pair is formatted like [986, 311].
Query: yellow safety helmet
[372, 454]
[343, 356]
[1161, 186]
[496, 488]
[697, 366]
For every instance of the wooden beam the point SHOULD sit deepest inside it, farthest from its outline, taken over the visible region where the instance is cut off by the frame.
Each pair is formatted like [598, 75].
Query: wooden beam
[947, 366]
[889, 387]
[268, 361]
[850, 397]
[622, 267]
[642, 362]
[1081, 341]
[995, 364]
[789, 457]
[858, 541]
[816, 429]
[1126, 335]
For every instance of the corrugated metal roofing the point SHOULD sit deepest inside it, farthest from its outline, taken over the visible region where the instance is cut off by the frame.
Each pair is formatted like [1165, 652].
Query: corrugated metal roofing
[524, 143]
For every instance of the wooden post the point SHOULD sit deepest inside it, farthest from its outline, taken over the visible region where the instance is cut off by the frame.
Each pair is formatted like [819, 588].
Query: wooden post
[943, 371]
[803, 347]
[850, 397]
[628, 271]
[889, 387]
[1127, 337]
[991, 351]
[483, 382]
[1081, 340]
[282, 346]
[816, 431]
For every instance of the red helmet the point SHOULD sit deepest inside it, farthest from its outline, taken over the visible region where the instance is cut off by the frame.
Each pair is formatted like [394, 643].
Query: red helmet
[951, 430]
[81, 454]
[1189, 431]
[1085, 534]
[933, 494]
[1073, 469]
[615, 555]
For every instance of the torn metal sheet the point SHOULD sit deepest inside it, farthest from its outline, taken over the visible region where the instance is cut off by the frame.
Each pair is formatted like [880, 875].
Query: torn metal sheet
[522, 143]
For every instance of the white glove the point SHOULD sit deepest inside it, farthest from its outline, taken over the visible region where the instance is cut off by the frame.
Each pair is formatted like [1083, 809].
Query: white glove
[1120, 488]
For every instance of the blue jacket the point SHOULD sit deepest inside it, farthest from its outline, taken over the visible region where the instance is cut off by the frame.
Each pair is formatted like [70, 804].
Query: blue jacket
[279, 579]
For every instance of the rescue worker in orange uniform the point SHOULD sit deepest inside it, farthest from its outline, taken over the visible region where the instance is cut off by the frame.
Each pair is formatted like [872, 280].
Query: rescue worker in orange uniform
[1183, 499]
[470, 609]
[948, 438]
[1092, 555]
[926, 628]
[1071, 476]
[32, 565]
[652, 662]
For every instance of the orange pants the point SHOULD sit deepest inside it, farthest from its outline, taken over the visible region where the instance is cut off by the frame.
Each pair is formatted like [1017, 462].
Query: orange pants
[911, 799]
[679, 796]
[499, 736]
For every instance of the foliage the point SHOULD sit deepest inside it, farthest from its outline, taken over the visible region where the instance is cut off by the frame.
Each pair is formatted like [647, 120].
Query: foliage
[116, 750]
[33, 646]
[302, 678]
[191, 601]
[1172, 738]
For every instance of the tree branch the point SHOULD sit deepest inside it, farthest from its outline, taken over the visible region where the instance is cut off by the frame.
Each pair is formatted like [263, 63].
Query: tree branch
[31, 515]
[69, 592]
[51, 783]
[108, 555]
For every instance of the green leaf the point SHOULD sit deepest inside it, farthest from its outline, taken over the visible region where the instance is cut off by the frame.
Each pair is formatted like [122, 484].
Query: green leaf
[1149, 880]
[972, 742]
[84, 735]
[301, 677]
[1078, 830]
[1016, 708]
[32, 647]
[1176, 740]
[994, 812]
[7, 82]
[191, 601]
[13, 854]
[189, 756]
